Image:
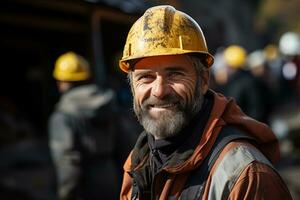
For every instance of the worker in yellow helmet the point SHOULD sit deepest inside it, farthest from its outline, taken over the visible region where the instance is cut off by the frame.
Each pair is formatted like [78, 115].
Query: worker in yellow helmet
[70, 68]
[82, 133]
[241, 81]
[192, 146]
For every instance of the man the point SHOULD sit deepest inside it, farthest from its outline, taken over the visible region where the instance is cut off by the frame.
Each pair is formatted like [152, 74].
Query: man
[240, 81]
[82, 134]
[197, 144]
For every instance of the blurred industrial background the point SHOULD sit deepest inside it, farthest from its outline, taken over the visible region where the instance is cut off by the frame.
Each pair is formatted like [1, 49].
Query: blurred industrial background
[34, 33]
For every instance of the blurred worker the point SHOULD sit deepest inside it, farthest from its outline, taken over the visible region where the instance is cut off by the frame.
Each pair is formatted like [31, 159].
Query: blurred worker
[257, 65]
[241, 85]
[273, 61]
[286, 120]
[289, 46]
[82, 133]
[196, 144]
[219, 72]
[286, 125]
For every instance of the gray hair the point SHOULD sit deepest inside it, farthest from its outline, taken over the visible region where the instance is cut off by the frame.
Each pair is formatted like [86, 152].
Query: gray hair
[199, 66]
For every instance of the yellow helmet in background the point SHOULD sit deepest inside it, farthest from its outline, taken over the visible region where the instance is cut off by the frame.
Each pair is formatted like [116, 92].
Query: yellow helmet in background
[235, 56]
[71, 67]
[163, 30]
[271, 52]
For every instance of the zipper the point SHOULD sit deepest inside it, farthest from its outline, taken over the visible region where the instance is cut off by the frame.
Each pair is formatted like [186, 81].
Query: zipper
[154, 175]
[160, 172]
[136, 186]
[134, 195]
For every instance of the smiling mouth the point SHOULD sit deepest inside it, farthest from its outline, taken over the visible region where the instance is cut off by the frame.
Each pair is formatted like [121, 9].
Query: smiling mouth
[163, 106]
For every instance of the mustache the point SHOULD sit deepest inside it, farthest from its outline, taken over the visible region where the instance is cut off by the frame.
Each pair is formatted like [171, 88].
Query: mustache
[169, 99]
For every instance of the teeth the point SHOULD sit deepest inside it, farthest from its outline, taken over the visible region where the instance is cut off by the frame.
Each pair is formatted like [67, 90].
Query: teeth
[163, 106]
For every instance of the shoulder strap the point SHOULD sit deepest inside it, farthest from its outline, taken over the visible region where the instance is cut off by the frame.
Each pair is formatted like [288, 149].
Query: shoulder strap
[197, 179]
[227, 135]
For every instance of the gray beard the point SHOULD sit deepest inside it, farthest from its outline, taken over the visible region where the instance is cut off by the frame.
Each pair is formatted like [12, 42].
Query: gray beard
[170, 122]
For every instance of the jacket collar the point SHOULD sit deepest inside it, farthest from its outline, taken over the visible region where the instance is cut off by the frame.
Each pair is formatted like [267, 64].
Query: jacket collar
[224, 111]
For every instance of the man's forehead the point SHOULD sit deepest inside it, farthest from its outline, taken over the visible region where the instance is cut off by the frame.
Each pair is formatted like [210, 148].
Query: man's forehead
[167, 62]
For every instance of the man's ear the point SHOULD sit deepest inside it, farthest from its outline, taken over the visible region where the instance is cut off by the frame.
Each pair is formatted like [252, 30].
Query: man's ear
[205, 80]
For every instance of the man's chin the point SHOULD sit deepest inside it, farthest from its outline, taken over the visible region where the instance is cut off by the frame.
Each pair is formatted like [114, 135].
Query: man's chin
[164, 124]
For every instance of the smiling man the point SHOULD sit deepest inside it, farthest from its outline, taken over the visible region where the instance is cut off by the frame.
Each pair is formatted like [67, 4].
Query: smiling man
[165, 93]
[196, 144]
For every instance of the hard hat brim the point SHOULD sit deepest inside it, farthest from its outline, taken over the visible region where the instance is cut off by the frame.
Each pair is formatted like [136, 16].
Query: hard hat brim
[127, 64]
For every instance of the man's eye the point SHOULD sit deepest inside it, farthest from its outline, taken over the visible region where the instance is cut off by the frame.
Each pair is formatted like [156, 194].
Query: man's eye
[175, 74]
[145, 77]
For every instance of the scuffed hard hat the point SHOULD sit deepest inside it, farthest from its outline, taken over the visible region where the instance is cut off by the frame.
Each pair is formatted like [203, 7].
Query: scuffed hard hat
[163, 30]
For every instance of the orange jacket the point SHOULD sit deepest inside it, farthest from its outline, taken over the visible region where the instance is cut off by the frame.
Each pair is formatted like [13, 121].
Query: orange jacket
[257, 180]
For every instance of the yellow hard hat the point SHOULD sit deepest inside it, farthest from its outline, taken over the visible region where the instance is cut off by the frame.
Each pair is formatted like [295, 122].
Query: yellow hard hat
[71, 67]
[271, 52]
[163, 30]
[235, 56]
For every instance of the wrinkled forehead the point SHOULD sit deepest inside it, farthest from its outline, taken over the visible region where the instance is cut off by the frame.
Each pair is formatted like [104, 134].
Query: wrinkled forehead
[163, 62]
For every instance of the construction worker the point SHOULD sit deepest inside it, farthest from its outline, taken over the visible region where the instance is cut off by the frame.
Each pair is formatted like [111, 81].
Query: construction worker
[241, 81]
[196, 144]
[289, 47]
[286, 119]
[219, 73]
[82, 134]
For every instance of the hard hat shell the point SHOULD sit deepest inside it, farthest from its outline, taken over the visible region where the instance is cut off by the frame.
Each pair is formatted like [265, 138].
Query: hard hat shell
[289, 44]
[256, 59]
[71, 67]
[235, 56]
[271, 52]
[163, 30]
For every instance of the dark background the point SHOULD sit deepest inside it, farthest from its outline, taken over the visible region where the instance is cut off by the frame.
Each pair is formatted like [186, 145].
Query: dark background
[34, 33]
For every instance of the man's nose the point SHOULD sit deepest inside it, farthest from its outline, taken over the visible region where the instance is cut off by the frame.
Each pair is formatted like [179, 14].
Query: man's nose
[160, 88]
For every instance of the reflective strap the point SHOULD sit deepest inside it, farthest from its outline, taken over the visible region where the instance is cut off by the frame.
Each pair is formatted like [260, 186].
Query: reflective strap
[197, 179]
[230, 168]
